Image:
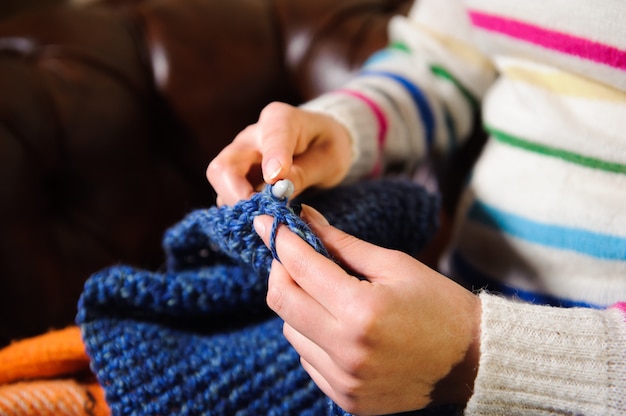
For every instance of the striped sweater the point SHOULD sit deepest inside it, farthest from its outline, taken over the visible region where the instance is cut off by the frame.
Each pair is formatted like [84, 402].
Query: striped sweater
[543, 218]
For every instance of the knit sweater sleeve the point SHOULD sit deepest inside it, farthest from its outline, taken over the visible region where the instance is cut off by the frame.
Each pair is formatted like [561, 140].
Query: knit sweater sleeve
[543, 360]
[416, 96]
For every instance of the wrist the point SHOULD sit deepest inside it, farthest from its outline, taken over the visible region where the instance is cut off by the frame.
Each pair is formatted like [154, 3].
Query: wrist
[458, 385]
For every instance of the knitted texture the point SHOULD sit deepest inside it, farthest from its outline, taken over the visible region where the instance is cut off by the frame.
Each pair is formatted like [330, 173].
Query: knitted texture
[197, 338]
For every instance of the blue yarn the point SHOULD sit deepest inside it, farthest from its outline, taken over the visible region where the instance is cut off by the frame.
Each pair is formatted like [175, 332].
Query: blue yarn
[233, 234]
[197, 337]
[393, 213]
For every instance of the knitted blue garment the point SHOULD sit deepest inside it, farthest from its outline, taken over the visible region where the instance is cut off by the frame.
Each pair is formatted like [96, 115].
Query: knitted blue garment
[197, 337]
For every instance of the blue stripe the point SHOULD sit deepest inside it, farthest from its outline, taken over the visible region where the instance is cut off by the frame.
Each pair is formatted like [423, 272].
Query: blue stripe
[601, 246]
[423, 107]
[475, 279]
[379, 56]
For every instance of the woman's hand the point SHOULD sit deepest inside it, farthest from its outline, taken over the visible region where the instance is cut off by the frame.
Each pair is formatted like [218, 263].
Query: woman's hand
[308, 148]
[404, 338]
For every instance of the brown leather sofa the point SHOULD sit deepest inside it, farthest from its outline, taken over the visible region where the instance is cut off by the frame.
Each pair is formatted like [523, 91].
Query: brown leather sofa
[110, 112]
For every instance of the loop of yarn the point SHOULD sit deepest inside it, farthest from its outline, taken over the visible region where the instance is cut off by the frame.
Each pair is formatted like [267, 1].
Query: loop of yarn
[393, 213]
[230, 230]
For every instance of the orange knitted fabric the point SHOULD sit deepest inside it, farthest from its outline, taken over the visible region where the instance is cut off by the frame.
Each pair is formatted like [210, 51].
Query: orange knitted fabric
[49, 375]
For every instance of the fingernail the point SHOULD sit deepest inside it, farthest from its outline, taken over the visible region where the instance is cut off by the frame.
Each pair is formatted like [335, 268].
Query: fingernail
[273, 166]
[314, 215]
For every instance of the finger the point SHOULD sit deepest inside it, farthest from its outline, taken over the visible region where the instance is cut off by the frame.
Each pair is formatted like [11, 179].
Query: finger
[314, 359]
[320, 381]
[312, 169]
[296, 307]
[277, 137]
[233, 188]
[327, 158]
[318, 276]
[229, 172]
[315, 354]
[358, 256]
[291, 147]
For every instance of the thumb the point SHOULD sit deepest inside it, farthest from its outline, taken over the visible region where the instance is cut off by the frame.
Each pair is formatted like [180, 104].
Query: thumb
[359, 257]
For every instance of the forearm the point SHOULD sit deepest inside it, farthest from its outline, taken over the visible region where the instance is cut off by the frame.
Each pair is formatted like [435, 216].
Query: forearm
[417, 96]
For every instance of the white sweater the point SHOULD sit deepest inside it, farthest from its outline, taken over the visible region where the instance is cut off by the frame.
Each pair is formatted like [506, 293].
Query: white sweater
[543, 219]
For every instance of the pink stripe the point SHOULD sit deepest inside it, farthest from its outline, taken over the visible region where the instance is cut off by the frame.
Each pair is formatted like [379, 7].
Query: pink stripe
[382, 124]
[622, 307]
[550, 39]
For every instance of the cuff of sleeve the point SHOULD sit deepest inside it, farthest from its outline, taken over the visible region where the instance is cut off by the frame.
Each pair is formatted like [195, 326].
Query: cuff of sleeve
[361, 125]
[543, 360]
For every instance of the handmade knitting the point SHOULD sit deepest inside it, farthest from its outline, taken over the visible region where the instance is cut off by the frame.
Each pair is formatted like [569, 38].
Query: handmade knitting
[198, 338]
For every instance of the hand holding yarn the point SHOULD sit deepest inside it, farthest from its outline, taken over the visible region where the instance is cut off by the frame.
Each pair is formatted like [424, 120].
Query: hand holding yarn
[228, 230]
[386, 344]
[308, 148]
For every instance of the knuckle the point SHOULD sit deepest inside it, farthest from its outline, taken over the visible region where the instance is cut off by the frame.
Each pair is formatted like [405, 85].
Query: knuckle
[350, 396]
[214, 168]
[276, 108]
[274, 298]
[356, 364]
[363, 324]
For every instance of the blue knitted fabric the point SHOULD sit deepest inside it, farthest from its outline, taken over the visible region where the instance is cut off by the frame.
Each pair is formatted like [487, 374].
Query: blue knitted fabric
[197, 338]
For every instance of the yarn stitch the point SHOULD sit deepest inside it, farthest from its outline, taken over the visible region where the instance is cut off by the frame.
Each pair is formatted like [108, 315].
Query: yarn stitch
[233, 233]
[197, 337]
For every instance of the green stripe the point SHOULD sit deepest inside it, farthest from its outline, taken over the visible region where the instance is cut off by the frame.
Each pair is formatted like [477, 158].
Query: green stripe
[401, 46]
[442, 73]
[566, 155]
